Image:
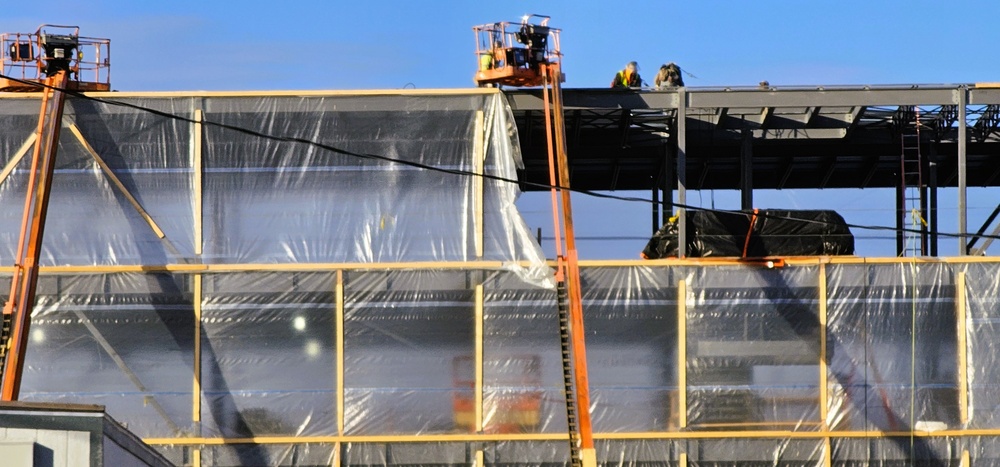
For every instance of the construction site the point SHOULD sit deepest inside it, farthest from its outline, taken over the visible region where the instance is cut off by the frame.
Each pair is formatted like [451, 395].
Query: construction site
[344, 278]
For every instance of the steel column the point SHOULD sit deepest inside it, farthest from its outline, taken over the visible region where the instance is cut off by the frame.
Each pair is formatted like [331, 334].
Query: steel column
[681, 172]
[746, 171]
[962, 144]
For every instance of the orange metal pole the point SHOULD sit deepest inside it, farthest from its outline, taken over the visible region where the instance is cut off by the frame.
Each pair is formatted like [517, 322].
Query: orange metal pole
[22, 293]
[552, 169]
[572, 269]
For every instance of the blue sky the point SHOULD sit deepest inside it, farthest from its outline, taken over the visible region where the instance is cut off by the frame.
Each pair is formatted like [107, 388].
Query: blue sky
[258, 45]
[251, 44]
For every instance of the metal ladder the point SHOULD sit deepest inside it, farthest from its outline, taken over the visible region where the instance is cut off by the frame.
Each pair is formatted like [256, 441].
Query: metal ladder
[911, 187]
[565, 341]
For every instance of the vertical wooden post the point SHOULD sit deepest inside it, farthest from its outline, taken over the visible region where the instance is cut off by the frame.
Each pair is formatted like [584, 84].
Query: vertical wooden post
[682, 354]
[963, 373]
[824, 387]
[197, 169]
[196, 398]
[683, 460]
[965, 462]
[196, 390]
[339, 299]
[479, 359]
[824, 374]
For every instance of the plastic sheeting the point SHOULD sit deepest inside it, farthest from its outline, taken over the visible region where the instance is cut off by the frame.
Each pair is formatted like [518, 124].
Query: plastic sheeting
[271, 201]
[267, 340]
[268, 360]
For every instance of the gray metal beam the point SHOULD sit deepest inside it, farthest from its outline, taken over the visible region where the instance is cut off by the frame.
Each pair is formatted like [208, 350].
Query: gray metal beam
[681, 172]
[962, 143]
[746, 171]
[984, 96]
[717, 98]
[699, 98]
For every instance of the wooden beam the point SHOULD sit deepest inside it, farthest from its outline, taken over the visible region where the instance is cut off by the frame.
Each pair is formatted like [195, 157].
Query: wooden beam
[824, 402]
[339, 299]
[116, 182]
[12, 163]
[478, 387]
[963, 372]
[196, 389]
[654, 435]
[198, 169]
[682, 354]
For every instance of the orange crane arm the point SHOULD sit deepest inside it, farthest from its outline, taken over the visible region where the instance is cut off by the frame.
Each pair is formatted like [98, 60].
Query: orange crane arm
[17, 309]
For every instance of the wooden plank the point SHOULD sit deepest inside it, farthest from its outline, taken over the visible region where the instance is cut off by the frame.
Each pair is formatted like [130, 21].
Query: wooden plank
[963, 368]
[470, 437]
[824, 403]
[339, 298]
[965, 462]
[12, 163]
[682, 354]
[116, 181]
[683, 459]
[196, 394]
[198, 171]
[479, 318]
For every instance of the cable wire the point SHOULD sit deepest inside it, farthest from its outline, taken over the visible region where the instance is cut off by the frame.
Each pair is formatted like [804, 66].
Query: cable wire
[469, 173]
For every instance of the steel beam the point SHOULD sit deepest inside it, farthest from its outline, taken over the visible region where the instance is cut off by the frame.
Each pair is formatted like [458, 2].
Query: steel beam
[681, 172]
[719, 98]
[962, 175]
[746, 171]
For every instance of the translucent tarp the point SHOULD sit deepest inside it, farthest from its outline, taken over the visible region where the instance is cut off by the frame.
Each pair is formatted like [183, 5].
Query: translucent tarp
[251, 358]
[267, 200]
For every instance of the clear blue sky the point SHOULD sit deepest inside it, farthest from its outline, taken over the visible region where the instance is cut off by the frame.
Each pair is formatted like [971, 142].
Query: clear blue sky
[210, 45]
[251, 44]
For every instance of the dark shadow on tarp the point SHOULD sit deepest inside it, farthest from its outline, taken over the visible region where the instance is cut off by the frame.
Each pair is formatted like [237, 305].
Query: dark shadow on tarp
[807, 327]
[222, 408]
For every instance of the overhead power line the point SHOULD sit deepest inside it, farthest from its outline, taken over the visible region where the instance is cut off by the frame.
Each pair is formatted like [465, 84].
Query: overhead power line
[467, 173]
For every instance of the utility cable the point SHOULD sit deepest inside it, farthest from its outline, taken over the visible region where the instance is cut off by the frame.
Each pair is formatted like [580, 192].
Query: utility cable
[469, 173]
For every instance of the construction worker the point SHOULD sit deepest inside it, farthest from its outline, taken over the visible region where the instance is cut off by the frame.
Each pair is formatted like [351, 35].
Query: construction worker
[627, 78]
[669, 76]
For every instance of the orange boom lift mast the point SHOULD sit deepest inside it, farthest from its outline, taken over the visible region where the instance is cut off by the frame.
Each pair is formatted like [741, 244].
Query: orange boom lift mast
[50, 63]
[526, 54]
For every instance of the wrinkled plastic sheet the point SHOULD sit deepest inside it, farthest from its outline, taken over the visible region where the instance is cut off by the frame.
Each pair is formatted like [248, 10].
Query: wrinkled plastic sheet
[126, 340]
[268, 359]
[891, 347]
[630, 317]
[278, 455]
[270, 201]
[405, 334]
[753, 348]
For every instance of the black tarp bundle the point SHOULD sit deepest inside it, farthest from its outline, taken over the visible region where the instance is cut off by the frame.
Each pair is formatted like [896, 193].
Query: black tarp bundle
[756, 234]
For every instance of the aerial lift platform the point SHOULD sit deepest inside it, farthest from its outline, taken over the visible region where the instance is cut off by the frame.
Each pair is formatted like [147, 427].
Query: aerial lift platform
[51, 60]
[526, 54]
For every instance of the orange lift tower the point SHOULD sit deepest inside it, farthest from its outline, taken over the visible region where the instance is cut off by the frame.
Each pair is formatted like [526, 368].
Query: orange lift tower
[526, 54]
[50, 61]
